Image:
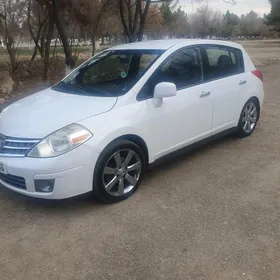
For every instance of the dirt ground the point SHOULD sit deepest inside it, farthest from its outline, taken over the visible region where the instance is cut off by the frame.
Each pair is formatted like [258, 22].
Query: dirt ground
[213, 214]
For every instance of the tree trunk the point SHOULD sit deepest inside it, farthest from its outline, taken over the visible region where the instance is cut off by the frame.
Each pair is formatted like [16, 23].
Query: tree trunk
[47, 49]
[54, 48]
[69, 61]
[34, 54]
[12, 56]
[143, 18]
[42, 43]
[38, 36]
[9, 42]
[93, 44]
[126, 30]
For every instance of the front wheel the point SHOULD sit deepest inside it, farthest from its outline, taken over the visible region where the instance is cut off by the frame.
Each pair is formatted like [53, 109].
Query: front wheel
[248, 118]
[119, 171]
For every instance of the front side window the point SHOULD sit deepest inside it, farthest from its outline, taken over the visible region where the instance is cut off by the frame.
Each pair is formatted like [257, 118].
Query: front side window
[222, 62]
[183, 69]
[112, 73]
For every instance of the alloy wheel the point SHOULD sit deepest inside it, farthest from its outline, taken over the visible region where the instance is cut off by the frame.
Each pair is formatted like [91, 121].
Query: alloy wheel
[249, 117]
[121, 172]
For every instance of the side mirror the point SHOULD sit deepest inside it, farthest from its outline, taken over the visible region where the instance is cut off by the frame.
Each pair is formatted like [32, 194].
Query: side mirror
[163, 90]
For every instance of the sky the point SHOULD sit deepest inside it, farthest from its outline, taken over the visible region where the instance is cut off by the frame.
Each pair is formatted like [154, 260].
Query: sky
[242, 7]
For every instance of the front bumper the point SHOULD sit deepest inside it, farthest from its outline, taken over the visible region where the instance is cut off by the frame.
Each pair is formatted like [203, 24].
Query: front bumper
[72, 172]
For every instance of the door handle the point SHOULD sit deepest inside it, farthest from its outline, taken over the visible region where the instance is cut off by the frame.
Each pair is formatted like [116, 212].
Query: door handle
[204, 94]
[242, 82]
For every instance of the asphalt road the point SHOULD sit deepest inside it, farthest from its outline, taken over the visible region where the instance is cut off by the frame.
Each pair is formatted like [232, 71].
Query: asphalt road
[213, 214]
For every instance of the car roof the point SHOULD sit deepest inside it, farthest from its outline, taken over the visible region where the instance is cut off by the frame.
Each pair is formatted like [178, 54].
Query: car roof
[166, 44]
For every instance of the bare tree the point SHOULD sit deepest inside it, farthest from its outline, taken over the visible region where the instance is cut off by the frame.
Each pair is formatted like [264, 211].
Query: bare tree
[89, 14]
[101, 8]
[11, 17]
[205, 22]
[133, 15]
[57, 17]
[155, 22]
[37, 20]
[50, 29]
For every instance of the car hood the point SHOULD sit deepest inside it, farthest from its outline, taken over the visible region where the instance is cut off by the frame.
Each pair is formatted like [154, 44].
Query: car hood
[44, 112]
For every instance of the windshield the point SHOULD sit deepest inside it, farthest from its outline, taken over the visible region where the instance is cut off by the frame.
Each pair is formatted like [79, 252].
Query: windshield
[111, 73]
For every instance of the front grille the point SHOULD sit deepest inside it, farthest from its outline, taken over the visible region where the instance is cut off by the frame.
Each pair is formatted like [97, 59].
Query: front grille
[15, 147]
[14, 181]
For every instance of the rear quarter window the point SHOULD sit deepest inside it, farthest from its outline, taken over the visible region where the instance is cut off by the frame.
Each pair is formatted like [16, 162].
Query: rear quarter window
[222, 61]
[213, 55]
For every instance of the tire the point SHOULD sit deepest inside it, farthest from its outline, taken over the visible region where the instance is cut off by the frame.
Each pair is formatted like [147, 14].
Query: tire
[119, 171]
[249, 118]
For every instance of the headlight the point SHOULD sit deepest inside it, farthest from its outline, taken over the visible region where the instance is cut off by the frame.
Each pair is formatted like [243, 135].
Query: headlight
[61, 141]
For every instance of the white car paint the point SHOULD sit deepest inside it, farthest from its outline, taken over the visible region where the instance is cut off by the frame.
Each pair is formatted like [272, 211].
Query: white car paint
[56, 108]
[177, 122]
[176, 117]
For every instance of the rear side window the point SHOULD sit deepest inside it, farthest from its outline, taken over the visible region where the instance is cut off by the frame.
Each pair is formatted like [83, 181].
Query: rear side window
[221, 61]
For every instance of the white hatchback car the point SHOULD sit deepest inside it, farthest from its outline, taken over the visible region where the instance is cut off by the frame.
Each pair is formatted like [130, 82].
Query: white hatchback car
[100, 127]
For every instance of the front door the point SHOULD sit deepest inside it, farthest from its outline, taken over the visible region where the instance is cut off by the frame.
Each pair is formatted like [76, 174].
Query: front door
[186, 117]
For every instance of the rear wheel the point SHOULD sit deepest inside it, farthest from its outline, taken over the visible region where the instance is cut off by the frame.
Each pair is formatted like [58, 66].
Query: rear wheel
[119, 171]
[248, 118]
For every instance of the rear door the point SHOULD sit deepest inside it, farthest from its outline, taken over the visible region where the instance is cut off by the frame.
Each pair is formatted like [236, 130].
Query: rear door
[224, 77]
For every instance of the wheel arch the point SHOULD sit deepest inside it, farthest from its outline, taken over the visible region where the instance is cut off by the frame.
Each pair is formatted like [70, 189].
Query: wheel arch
[258, 103]
[257, 100]
[139, 141]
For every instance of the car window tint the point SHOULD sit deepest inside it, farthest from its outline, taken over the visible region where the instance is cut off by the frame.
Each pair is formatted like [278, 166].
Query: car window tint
[222, 62]
[233, 58]
[111, 73]
[111, 68]
[214, 54]
[184, 68]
